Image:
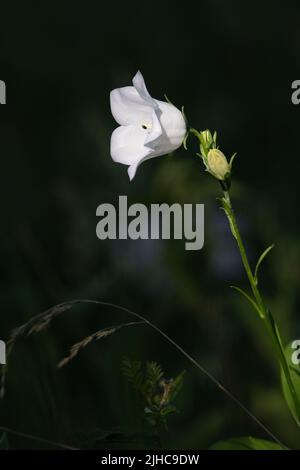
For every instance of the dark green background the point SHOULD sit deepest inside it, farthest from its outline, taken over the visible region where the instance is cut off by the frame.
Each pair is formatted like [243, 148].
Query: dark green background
[231, 64]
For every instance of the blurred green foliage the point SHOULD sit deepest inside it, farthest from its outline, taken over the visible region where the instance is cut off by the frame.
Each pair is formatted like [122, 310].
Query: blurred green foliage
[155, 392]
[246, 443]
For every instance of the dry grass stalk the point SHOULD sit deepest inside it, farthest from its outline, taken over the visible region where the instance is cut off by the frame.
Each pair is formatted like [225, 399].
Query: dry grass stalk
[41, 322]
[76, 348]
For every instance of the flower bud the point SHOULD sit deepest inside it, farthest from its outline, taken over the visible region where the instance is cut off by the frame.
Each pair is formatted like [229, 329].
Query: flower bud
[217, 164]
[207, 138]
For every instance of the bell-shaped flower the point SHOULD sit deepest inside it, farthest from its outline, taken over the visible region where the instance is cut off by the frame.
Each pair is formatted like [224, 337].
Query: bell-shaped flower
[148, 127]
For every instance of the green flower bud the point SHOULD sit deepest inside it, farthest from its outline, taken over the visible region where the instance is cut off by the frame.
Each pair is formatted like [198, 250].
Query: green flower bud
[207, 142]
[217, 164]
[207, 138]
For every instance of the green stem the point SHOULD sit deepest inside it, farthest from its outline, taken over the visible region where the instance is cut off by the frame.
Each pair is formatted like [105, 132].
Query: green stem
[242, 250]
[265, 315]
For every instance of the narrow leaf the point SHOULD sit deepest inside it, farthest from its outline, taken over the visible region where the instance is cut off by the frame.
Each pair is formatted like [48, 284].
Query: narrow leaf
[261, 258]
[250, 300]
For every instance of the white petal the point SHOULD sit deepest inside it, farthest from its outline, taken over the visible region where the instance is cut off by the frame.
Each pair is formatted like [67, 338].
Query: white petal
[156, 129]
[127, 145]
[173, 123]
[139, 84]
[132, 169]
[128, 107]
